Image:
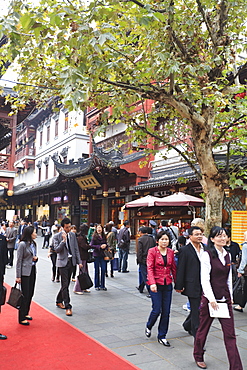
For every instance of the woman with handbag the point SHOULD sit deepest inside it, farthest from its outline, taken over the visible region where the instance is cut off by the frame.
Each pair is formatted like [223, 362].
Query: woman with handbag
[83, 249]
[161, 269]
[242, 271]
[216, 280]
[26, 271]
[111, 242]
[98, 243]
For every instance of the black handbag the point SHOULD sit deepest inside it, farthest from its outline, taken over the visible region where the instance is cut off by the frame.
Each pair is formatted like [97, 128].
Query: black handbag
[108, 254]
[3, 295]
[238, 291]
[84, 281]
[90, 256]
[15, 297]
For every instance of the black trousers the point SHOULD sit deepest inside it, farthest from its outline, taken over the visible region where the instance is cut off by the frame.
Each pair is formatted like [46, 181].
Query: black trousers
[55, 269]
[11, 256]
[27, 287]
[63, 294]
[191, 323]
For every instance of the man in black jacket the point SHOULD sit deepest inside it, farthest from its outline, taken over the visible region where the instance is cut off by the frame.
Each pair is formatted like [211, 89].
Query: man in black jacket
[123, 246]
[3, 263]
[189, 276]
[145, 242]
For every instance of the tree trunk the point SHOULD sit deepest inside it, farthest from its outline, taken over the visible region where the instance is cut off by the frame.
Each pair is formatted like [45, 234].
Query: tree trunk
[212, 180]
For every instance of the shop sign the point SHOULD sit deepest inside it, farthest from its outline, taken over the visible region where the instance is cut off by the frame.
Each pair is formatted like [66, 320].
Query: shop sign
[239, 226]
[87, 182]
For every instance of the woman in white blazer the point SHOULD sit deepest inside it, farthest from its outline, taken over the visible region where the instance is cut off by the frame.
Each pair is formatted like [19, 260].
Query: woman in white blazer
[26, 271]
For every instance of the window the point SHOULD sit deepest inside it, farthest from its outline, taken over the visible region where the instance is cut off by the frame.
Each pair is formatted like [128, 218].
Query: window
[46, 171]
[66, 122]
[39, 174]
[40, 138]
[48, 134]
[56, 128]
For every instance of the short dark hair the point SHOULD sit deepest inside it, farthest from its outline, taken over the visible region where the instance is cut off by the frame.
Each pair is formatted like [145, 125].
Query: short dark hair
[143, 229]
[163, 223]
[190, 231]
[83, 230]
[108, 227]
[126, 223]
[161, 233]
[65, 221]
[172, 221]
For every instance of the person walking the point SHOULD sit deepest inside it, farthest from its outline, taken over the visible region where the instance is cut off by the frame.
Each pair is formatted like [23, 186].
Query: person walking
[216, 280]
[11, 234]
[242, 271]
[26, 271]
[145, 242]
[188, 276]
[66, 247]
[161, 269]
[98, 243]
[123, 247]
[83, 250]
[3, 263]
[53, 256]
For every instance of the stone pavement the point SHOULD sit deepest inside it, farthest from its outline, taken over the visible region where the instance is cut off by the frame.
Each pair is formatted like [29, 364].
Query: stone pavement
[117, 318]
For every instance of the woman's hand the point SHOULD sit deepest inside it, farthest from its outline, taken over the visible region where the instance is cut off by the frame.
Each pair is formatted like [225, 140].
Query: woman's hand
[214, 305]
[239, 275]
[153, 288]
[103, 246]
[18, 280]
[35, 258]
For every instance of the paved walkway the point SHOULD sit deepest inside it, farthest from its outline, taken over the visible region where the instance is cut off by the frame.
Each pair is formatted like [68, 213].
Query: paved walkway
[117, 318]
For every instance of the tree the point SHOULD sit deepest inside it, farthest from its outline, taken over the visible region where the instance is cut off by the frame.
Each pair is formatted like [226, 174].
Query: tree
[183, 55]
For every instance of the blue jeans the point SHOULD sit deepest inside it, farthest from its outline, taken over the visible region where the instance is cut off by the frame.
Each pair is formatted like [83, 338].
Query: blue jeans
[123, 258]
[143, 269]
[99, 276]
[161, 304]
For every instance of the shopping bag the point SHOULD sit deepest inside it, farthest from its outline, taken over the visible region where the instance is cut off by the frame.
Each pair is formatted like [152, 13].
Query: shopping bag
[90, 256]
[15, 297]
[115, 264]
[238, 291]
[84, 280]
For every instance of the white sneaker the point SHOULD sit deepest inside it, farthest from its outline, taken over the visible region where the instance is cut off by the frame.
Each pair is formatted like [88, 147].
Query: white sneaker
[9, 267]
[186, 308]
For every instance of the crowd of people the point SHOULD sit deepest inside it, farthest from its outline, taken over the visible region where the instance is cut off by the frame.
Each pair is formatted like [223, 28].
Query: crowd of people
[202, 269]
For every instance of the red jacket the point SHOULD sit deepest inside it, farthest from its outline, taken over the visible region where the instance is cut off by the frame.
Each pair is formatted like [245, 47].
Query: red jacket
[157, 272]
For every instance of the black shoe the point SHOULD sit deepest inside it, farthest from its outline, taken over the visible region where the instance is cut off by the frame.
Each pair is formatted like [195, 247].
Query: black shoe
[106, 275]
[119, 270]
[112, 275]
[97, 288]
[105, 289]
[126, 271]
[148, 296]
[164, 342]
[147, 332]
[29, 318]
[24, 322]
[3, 336]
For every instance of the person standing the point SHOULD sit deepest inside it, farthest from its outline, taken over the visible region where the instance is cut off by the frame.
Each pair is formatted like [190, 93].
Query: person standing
[216, 278]
[11, 234]
[53, 255]
[91, 230]
[98, 243]
[189, 276]
[66, 247]
[145, 242]
[153, 225]
[3, 263]
[111, 243]
[242, 271]
[83, 250]
[161, 269]
[123, 246]
[26, 271]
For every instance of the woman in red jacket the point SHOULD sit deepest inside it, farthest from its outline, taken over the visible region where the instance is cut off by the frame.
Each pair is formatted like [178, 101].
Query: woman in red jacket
[161, 268]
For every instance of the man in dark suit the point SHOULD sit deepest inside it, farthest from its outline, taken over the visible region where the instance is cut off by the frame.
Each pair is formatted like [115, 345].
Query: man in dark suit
[189, 276]
[66, 247]
[11, 234]
[3, 263]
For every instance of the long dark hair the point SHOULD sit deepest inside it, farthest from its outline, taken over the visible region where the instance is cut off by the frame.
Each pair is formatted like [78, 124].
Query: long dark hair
[96, 235]
[27, 234]
[83, 230]
[215, 231]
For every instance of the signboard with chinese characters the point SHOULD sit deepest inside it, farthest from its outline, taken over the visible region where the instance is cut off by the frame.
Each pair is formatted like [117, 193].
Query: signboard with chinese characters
[239, 226]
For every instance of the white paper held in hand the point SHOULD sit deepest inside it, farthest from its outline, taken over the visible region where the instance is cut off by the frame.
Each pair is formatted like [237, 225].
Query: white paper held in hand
[221, 313]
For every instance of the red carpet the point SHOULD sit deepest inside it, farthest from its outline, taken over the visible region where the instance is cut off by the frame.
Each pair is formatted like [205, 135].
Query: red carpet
[51, 343]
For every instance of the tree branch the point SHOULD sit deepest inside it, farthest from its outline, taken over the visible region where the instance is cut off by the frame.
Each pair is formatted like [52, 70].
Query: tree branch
[171, 146]
[207, 22]
[143, 6]
[222, 133]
